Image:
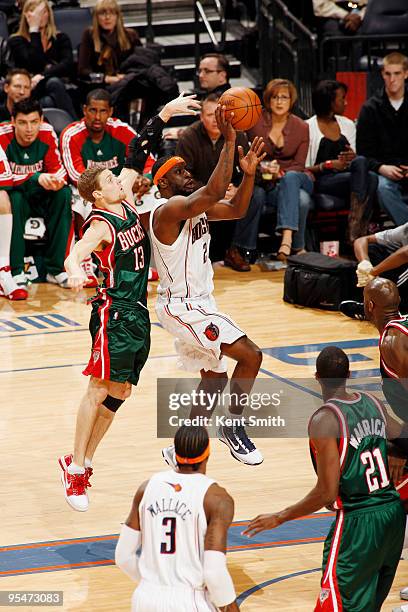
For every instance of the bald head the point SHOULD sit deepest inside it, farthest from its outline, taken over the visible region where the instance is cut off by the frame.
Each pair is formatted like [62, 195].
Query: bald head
[381, 300]
[383, 292]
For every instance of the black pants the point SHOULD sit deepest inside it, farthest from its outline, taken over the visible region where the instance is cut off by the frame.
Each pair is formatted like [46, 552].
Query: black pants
[52, 93]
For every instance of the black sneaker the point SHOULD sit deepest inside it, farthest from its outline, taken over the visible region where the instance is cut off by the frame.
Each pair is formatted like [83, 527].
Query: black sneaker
[352, 309]
[241, 447]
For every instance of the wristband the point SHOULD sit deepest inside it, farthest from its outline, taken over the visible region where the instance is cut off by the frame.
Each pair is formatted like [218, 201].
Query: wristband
[328, 165]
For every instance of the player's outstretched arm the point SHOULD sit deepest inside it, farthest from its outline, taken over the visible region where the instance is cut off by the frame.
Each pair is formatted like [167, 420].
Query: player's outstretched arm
[149, 138]
[179, 208]
[96, 235]
[324, 430]
[219, 508]
[238, 205]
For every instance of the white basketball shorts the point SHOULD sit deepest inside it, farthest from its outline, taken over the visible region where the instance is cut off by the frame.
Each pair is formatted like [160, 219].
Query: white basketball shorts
[154, 598]
[199, 330]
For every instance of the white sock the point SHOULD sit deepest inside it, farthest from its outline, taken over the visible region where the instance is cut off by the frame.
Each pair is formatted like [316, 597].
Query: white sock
[73, 468]
[88, 462]
[6, 225]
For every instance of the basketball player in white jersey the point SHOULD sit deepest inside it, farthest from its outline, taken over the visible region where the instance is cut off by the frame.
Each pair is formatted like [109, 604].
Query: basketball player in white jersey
[179, 233]
[180, 520]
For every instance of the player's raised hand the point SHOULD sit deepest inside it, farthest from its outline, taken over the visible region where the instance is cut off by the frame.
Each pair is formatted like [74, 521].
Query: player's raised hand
[262, 522]
[224, 124]
[183, 104]
[255, 155]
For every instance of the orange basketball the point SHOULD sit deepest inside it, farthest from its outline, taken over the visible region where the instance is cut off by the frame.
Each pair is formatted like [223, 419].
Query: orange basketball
[245, 105]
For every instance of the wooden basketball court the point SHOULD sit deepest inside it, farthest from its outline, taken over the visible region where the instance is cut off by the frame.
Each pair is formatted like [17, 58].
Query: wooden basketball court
[44, 345]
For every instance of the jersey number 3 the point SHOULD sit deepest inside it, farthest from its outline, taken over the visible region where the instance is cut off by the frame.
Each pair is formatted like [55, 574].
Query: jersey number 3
[169, 546]
[371, 458]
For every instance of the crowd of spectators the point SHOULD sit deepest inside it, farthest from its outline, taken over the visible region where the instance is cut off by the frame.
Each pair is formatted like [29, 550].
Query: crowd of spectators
[362, 163]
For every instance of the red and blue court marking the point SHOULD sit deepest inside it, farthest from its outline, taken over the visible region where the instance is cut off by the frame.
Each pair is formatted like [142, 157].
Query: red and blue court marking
[96, 551]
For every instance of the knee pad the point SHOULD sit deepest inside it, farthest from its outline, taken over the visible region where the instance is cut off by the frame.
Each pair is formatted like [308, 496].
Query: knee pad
[112, 403]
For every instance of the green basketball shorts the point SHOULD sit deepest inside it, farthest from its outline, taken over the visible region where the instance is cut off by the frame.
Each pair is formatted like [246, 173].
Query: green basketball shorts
[120, 341]
[360, 558]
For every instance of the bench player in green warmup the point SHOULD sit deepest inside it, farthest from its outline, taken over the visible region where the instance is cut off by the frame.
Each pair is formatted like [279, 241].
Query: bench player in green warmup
[349, 451]
[119, 325]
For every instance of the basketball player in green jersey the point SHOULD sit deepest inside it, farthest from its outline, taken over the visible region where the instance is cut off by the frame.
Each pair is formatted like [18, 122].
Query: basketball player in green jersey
[349, 451]
[119, 324]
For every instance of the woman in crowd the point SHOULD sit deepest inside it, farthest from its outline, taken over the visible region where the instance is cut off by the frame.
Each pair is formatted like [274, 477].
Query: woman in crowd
[286, 185]
[45, 53]
[106, 44]
[331, 157]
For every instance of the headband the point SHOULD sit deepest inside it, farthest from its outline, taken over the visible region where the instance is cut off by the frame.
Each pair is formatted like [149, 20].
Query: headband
[168, 165]
[193, 460]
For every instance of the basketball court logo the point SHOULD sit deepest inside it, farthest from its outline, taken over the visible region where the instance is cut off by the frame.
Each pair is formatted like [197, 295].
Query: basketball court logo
[211, 332]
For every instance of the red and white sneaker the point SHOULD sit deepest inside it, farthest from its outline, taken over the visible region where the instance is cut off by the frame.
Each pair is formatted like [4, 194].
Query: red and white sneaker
[75, 490]
[66, 460]
[89, 268]
[9, 287]
[153, 276]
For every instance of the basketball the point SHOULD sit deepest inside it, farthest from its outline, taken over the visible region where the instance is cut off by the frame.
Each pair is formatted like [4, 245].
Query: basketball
[245, 105]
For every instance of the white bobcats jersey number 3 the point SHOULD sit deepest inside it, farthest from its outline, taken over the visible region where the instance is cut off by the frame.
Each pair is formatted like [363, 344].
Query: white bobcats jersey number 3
[173, 526]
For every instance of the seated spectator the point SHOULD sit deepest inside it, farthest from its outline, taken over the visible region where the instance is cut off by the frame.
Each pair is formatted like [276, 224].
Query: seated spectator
[286, 186]
[8, 286]
[39, 189]
[106, 44]
[45, 53]
[213, 73]
[17, 86]
[337, 17]
[382, 137]
[200, 146]
[97, 139]
[332, 159]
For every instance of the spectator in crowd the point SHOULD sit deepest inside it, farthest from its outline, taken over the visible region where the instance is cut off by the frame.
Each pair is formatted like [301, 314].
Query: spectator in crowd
[17, 86]
[39, 189]
[200, 146]
[338, 18]
[382, 254]
[8, 286]
[106, 44]
[286, 186]
[45, 53]
[332, 159]
[382, 136]
[213, 73]
[97, 139]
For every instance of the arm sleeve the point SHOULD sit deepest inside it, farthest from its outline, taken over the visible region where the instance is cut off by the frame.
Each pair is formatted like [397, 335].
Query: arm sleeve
[52, 160]
[396, 237]
[6, 176]
[125, 554]
[328, 8]
[71, 155]
[366, 141]
[86, 51]
[28, 54]
[141, 146]
[63, 68]
[299, 160]
[217, 578]
[186, 149]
